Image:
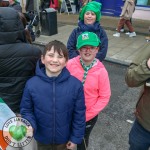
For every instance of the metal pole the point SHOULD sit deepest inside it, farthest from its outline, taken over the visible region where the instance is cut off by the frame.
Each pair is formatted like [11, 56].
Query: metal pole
[36, 9]
[23, 4]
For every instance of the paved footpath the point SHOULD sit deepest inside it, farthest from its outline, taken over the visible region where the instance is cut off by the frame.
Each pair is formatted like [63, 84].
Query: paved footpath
[121, 50]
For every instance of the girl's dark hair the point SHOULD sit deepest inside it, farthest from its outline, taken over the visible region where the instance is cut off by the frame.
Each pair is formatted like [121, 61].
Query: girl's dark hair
[59, 47]
[27, 33]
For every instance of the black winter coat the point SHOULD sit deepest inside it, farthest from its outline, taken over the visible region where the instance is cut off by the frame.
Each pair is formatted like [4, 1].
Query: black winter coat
[17, 58]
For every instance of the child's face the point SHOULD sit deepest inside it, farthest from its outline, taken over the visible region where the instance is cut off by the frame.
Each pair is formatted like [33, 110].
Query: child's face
[54, 63]
[88, 53]
[89, 17]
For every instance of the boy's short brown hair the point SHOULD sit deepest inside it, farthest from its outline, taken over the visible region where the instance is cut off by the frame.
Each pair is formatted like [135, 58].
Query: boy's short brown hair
[59, 47]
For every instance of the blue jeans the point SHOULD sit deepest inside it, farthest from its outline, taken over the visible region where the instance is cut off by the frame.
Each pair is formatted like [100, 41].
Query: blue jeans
[139, 138]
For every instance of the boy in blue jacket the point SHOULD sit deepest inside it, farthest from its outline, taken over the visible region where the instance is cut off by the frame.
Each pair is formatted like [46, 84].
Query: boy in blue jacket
[53, 102]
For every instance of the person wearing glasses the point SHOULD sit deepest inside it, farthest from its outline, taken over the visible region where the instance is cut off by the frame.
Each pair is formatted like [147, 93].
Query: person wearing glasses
[95, 80]
[89, 20]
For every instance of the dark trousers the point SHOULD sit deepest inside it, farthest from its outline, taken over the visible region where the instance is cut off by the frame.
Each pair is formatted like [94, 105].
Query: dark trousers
[89, 126]
[139, 138]
[51, 146]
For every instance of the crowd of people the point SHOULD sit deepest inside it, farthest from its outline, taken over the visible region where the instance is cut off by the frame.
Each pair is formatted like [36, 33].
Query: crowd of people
[62, 89]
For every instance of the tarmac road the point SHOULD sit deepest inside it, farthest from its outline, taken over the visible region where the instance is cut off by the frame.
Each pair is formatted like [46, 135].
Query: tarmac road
[112, 129]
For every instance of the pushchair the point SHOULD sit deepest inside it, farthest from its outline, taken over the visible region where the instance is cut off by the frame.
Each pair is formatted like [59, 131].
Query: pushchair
[33, 20]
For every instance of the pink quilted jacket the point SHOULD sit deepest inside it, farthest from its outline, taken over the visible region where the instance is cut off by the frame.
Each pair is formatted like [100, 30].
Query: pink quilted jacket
[96, 88]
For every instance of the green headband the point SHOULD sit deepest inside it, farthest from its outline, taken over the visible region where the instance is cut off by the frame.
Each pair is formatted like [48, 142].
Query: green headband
[91, 6]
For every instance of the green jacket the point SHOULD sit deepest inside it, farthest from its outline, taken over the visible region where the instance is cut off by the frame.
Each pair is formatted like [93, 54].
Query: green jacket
[137, 75]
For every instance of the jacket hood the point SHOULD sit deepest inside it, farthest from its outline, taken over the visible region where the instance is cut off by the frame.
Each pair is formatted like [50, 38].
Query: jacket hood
[89, 27]
[11, 27]
[40, 72]
[131, 2]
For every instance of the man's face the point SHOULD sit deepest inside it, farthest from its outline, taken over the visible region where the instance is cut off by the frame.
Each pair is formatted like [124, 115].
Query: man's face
[88, 53]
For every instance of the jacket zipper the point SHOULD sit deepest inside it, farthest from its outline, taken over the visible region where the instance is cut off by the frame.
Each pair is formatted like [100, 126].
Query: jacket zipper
[54, 111]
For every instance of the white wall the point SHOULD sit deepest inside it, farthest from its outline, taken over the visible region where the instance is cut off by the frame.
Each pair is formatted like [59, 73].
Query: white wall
[143, 14]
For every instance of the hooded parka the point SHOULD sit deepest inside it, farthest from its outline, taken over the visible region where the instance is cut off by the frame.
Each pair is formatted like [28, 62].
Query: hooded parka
[55, 107]
[17, 58]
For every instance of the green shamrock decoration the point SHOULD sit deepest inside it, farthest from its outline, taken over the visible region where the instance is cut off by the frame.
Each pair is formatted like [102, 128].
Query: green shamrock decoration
[18, 132]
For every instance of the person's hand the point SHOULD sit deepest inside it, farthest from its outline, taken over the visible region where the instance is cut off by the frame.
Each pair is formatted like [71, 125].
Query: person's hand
[29, 131]
[70, 145]
[148, 63]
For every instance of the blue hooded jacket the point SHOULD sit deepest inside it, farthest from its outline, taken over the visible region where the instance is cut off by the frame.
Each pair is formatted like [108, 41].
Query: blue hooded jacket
[97, 29]
[55, 107]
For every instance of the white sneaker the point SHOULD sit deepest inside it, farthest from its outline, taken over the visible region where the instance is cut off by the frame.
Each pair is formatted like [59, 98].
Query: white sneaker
[132, 34]
[116, 34]
[122, 30]
[127, 33]
[148, 83]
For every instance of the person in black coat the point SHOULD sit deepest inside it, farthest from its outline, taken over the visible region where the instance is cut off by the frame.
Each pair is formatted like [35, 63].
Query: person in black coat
[29, 5]
[17, 61]
[18, 58]
[77, 4]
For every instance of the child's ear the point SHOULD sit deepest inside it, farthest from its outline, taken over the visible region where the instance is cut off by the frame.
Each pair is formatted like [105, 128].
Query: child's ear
[67, 60]
[42, 59]
[79, 51]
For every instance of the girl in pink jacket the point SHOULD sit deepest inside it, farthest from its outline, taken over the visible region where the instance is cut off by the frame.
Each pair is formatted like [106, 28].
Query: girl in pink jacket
[94, 77]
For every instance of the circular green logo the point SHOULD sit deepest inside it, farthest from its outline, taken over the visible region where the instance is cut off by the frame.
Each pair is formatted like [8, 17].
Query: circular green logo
[15, 130]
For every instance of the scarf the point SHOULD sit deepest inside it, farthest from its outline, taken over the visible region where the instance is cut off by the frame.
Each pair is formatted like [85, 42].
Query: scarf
[86, 69]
